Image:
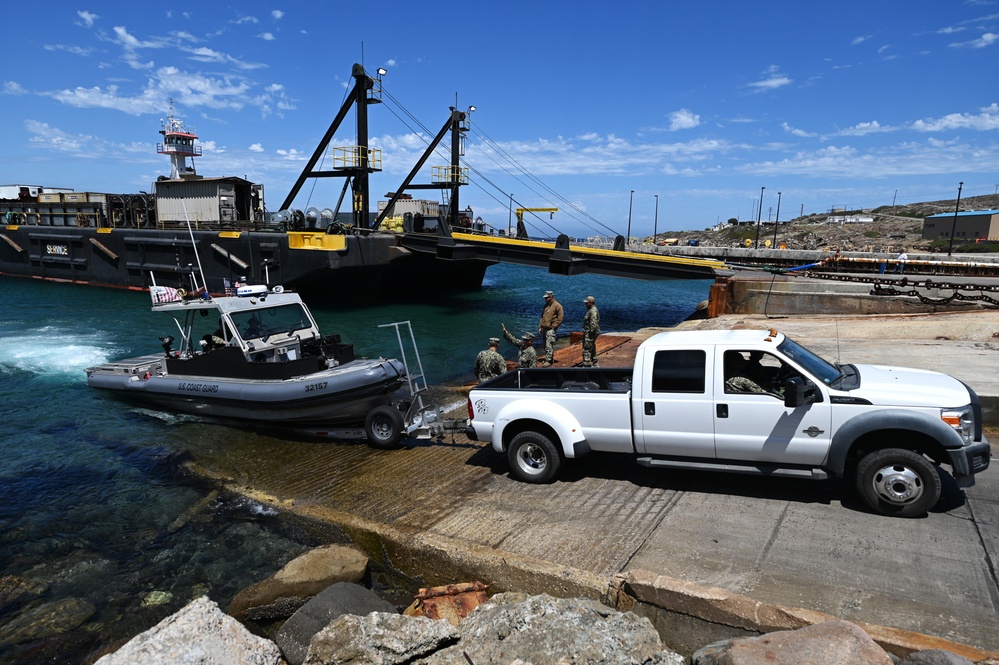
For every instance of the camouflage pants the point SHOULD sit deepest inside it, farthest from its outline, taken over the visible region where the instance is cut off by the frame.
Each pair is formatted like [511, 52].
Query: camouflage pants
[589, 348]
[549, 345]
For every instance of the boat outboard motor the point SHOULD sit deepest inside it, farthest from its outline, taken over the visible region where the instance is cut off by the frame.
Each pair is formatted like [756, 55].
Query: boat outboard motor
[167, 343]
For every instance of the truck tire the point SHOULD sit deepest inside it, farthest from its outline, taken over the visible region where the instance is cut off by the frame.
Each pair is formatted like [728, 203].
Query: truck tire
[384, 427]
[533, 458]
[898, 482]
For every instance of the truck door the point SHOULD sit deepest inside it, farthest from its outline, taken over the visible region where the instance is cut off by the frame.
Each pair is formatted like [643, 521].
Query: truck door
[751, 421]
[672, 412]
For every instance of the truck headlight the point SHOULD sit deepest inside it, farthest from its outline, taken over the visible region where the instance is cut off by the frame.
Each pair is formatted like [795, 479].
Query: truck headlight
[962, 420]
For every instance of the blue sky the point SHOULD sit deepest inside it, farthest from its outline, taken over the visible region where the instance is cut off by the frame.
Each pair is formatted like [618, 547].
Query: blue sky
[848, 104]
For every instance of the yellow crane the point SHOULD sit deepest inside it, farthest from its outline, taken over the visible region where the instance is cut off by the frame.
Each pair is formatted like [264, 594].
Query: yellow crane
[521, 229]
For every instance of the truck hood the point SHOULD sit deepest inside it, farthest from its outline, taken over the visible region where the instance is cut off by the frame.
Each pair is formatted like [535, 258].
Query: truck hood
[903, 386]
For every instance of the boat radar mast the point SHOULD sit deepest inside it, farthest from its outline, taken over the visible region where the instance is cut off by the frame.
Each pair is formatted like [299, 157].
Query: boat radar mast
[178, 142]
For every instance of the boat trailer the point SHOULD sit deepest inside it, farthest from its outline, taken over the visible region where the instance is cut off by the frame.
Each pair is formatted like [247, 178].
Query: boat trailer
[408, 417]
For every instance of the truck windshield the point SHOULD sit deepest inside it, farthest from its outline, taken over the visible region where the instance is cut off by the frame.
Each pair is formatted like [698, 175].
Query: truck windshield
[816, 366]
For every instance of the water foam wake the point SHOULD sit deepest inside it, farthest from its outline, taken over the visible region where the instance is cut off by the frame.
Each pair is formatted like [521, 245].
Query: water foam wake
[53, 351]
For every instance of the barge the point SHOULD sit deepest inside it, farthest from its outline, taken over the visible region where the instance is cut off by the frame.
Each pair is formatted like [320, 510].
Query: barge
[137, 240]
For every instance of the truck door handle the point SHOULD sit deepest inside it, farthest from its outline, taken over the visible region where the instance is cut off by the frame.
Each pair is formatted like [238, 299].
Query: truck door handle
[722, 410]
[650, 408]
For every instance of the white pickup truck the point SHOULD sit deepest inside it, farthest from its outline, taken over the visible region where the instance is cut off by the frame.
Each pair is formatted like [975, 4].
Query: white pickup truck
[744, 401]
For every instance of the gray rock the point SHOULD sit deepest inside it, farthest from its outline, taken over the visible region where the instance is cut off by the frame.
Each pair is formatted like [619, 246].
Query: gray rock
[339, 599]
[385, 639]
[279, 596]
[828, 643]
[50, 619]
[542, 630]
[934, 657]
[15, 589]
[199, 634]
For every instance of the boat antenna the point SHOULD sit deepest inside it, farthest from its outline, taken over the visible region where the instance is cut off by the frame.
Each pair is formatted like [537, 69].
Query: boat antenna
[194, 245]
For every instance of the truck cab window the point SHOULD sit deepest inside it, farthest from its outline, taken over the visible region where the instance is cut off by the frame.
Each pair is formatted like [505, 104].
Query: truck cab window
[755, 372]
[679, 371]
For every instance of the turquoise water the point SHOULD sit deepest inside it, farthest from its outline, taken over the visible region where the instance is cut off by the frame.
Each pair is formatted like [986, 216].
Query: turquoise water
[98, 526]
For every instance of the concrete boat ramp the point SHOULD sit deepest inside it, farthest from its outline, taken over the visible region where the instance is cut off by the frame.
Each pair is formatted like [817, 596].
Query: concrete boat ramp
[704, 556]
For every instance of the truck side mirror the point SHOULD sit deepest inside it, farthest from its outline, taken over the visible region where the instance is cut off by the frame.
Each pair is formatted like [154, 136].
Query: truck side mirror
[796, 392]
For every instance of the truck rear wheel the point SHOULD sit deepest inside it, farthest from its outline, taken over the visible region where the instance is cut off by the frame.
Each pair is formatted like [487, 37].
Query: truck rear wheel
[384, 427]
[533, 458]
[898, 482]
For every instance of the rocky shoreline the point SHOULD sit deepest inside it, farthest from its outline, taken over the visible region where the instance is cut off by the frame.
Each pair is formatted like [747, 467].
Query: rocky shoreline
[344, 622]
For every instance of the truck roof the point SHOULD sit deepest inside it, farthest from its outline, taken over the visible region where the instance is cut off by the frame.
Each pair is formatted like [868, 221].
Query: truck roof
[695, 337]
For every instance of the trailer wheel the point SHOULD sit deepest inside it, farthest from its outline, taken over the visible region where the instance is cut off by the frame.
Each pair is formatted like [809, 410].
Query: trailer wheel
[533, 458]
[384, 427]
[898, 482]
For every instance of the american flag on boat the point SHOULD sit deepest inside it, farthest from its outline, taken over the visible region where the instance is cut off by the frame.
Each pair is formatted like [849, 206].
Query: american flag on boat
[165, 294]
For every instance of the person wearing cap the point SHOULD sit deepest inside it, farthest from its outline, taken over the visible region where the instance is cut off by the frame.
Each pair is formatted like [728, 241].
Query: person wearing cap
[551, 318]
[489, 363]
[591, 328]
[527, 356]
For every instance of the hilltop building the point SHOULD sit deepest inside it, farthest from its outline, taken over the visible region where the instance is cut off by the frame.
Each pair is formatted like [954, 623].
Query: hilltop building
[970, 226]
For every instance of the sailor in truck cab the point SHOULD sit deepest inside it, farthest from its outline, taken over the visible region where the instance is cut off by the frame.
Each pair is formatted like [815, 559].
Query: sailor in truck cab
[743, 401]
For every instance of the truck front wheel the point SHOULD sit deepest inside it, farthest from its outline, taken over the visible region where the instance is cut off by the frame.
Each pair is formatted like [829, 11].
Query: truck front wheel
[533, 458]
[898, 482]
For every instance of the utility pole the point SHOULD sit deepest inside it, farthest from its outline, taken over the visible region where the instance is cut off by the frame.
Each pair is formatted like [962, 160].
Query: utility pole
[631, 198]
[655, 223]
[776, 221]
[759, 218]
[953, 227]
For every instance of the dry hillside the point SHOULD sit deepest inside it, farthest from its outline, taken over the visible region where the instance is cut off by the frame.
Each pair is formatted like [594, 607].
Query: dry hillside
[893, 228]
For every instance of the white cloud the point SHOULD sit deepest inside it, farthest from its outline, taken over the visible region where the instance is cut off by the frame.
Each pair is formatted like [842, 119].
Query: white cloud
[76, 50]
[987, 120]
[860, 40]
[987, 39]
[277, 14]
[256, 147]
[909, 158]
[862, 128]
[13, 88]
[772, 83]
[796, 132]
[267, 36]
[86, 18]
[683, 119]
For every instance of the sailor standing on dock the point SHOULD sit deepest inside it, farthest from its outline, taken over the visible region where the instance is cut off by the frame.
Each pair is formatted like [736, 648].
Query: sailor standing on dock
[591, 328]
[527, 357]
[489, 363]
[551, 318]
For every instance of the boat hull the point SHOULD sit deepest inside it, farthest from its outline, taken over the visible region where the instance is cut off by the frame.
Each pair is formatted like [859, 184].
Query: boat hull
[320, 267]
[337, 396]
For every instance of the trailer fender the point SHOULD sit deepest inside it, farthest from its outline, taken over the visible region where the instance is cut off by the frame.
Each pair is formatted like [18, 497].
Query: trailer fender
[536, 414]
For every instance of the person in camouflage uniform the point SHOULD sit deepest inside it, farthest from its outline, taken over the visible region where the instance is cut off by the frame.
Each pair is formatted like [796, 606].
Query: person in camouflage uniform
[527, 357]
[489, 363]
[552, 316]
[591, 328]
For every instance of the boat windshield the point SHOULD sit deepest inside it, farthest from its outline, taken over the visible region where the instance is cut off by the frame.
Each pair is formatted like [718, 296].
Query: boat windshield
[815, 365]
[268, 321]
